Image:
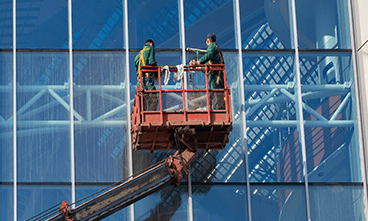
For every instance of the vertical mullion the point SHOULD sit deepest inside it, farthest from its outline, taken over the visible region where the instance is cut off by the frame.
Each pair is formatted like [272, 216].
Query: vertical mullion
[358, 108]
[14, 110]
[300, 118]
[182, 44]
[182, 32]
[71, 100]
[242, 97]
[127, 85]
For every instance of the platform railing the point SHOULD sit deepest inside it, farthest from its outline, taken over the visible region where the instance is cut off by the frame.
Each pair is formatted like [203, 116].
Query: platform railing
[206, 69]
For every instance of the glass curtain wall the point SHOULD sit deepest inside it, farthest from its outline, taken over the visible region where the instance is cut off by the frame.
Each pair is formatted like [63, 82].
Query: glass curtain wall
[6, 113]
[260, 169]
[6, 122]
[43, 126]
[100, 120]
[275, 148]
[331, 135]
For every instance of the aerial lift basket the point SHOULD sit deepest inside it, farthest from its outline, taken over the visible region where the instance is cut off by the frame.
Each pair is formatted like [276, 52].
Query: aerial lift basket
[158, 130]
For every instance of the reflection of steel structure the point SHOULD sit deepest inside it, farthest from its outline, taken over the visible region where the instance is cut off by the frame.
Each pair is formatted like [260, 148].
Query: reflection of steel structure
[309, 92]
[54, 91]
[271, 120]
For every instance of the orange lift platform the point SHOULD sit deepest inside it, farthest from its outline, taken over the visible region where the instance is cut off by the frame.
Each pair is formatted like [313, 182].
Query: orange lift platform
[162, 129]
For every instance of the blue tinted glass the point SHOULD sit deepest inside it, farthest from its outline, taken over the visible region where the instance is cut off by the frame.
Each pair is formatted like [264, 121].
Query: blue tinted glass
[323, 24]
[6, 113]
[43, 128]
[6, 19]
[330, 113]
[279, 202]
[42, 68]
[98, 24]
[157, 20]
[6, 202]
[326, 68]
[273, 147]
[33, 200]
[100, 126]
[99, 68]
[265, 24]
[100, 151]
[88, 192]
[170, 203]
[203, 17]
[219, 202]
[336, 202]
[42, 24]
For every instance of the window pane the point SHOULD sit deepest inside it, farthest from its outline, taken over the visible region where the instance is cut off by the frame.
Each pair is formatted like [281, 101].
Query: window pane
[336, 202]
[98, 24]
[43, 126]
[330, 131]
[7, 202]
[203, 17]
[273, 147]
[265, 24]
[42, 24]
[209, 202]
[170, 203]
[278, 203]
[323, 24]
[6, 25]
[157, 20]
[100, 123]
[6, 113]
[32, 200]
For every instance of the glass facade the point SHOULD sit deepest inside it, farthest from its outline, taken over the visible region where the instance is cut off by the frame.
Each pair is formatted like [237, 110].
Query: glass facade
[294, 152]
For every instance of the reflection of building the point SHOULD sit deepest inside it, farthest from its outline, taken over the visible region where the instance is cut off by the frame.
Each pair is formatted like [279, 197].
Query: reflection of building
[261, 167]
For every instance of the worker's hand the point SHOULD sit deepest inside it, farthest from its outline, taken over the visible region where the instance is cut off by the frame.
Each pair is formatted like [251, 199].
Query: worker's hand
[194, 62]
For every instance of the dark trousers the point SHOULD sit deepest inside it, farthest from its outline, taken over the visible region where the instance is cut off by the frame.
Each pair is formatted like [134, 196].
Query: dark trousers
[150, 101]
[217, 98]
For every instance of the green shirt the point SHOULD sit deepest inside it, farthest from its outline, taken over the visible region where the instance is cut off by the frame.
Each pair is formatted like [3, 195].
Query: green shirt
[149, 60]
[212, 55]
[148, 55]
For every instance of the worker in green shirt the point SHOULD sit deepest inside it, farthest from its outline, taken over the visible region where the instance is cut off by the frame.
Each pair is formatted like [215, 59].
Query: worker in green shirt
[215, 79]
[146, 57]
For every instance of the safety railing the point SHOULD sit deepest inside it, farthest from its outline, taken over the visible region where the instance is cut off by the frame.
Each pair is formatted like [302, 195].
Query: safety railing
[207, 109]
[184, 111]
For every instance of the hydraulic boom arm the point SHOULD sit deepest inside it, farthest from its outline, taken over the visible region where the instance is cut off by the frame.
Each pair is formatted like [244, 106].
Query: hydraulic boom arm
[143, 184]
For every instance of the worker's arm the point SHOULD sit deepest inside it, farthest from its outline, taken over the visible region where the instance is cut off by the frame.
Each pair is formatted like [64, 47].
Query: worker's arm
[208, 55]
